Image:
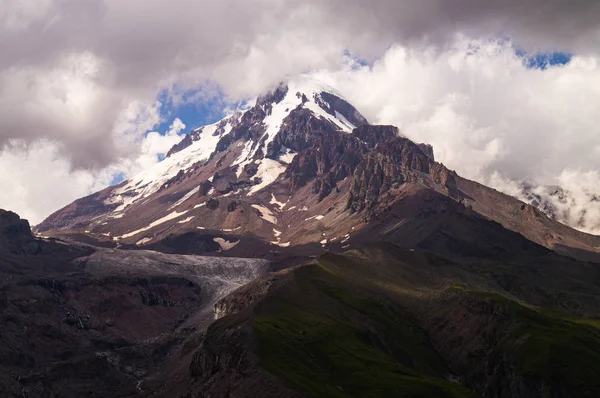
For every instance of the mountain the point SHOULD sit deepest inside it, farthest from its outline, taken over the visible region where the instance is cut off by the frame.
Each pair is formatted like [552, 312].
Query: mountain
[299, 171]
[292, 249]
[578, 210]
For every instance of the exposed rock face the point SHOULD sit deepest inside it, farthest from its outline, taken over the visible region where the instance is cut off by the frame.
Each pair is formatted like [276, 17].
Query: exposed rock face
[332, 157]
[427, 150]
[177, 178]
[393, 163]
[194, 136]
[13, 228]
[190, 242]
[225, 181]
[332, 104]
[249, 127]
[372, 135]
[298, 131]
[204, 188]
[249, 294]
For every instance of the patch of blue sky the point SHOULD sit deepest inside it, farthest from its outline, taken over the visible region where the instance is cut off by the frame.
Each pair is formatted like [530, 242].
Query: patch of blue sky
[543, 60]
[195, 108]
[117, 178]
[356, 61]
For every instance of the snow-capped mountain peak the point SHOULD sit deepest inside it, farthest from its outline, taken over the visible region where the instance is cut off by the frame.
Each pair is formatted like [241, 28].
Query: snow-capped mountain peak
[255, 144]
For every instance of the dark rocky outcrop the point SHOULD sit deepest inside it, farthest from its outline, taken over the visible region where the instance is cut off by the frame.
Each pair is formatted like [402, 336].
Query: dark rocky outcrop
[372, 135]
[395, 162]
[15, 234]
[231, 206]
[275, 96]
[332, 103]
[249, 127]
[332, 157]
[298, 132]
[427, 150]
[189, 242]
[180, 176]
[212, 204]
[225, 180]
[204, 188]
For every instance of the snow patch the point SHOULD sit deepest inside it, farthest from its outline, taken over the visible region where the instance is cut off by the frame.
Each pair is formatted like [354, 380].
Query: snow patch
[225, 244]
[186, 220]
[143, 241]
[231, 230]
[274, 201]
[287, 156]
[265, 214]
[166, 218]
[268, 171]
[319, 217]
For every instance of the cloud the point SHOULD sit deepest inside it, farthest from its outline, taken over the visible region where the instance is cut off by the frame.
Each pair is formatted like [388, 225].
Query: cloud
[38, 178]
[73, 72]
[69, 67]
[490, 116]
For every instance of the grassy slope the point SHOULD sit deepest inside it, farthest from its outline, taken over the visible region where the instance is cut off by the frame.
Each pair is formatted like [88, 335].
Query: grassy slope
[329, 337]
[340, 329]
[560, 350]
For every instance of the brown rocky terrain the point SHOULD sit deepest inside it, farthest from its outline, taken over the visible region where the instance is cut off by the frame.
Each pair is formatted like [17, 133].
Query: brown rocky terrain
[78, 321]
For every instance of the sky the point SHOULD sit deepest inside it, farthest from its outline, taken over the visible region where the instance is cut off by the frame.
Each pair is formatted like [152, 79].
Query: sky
[94, 91]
